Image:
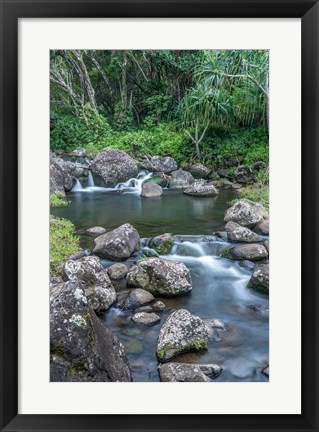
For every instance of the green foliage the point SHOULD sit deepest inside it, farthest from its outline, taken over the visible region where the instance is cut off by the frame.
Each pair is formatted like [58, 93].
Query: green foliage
[257, 193]
[58, 200]
[63, 242]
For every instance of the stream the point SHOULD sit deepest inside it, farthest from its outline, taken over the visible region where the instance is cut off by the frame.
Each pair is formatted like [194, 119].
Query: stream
[219, 285]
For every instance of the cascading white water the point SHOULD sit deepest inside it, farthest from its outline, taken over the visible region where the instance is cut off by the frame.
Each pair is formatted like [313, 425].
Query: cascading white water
[77, 187]
[134, 184]
[90, 179]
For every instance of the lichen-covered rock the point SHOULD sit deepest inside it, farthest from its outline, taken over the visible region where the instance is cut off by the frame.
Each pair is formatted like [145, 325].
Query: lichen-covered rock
[262, 228]
[81, 348]
[181, 179]
[251, 252]
[145, 318]
[199, 170]
[202, 190]
[246, 213]
[239, 234]
[118, 244]
[117, 271]
[75, 170]
[181, 372]
[160, 276]
[260, 278]
[158, 306]
[138, 297]
[162, 244]
[60, 179]
[99, 290]
[96, 230]
[151, 190]
[163, 164]
[244, 175]
[182, 332]
[114, 166]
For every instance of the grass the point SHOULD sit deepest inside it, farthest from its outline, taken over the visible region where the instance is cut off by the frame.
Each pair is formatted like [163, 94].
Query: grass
[257, 193]
[58, 200]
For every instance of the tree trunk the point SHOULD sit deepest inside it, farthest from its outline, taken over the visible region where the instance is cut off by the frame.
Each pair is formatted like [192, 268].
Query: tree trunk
[86, 80]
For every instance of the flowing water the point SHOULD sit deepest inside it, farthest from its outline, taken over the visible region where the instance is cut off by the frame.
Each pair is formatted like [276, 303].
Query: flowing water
[219, 285]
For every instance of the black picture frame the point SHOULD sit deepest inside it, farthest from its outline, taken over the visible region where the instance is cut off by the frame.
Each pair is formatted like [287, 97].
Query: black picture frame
[11, 11]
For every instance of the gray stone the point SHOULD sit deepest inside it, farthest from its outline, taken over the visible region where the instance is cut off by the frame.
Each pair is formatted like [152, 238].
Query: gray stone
[118, 244]
[223, 172]
[60, 179]
[160, 276]
[201, 190]
[263, 227]
[96, 230]
[163, 164]
[148, 319]
[162, 244]
[181, 372]
[151, 190]
[199, 170]
[138, 297]
[260, 278]
[244, 175]
[113, 167]
[159, 305]
[246, 213]
[181, 179]
[182, 332]
[239, 234]
[117, 271]
[251, 252]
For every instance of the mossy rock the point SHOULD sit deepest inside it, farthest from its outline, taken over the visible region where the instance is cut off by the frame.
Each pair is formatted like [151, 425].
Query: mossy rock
[162, 244]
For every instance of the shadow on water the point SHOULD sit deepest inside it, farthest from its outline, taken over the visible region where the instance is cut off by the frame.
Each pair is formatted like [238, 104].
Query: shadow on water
[219, 285]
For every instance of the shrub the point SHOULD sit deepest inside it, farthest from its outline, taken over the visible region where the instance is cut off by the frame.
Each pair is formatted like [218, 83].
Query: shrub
[58, 200]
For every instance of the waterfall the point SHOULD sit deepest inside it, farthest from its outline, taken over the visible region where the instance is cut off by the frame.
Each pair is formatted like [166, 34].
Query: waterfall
[77, 187]
[134, 184]
[90, 179]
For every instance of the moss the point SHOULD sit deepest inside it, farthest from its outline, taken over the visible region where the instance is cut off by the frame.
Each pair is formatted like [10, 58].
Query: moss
[162, 351]
[202, 344]
[58, 200]
[58, 351]
[63, 243]
[164, 247]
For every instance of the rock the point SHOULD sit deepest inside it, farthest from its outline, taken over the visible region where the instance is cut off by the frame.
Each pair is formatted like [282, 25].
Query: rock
[202, 190]
[151, 190]
[181, 179]
[117, 271]
[199, 170]
[163, 164]
[214, 327]
[251, 252]
[162, 244]
[260, 278]
[148, 319]
[237, 186]
[144, 309]
[256, 166]
[117, 244]
[157, 179]
[260, 309]
[138, 297]
[160, 276]
[223, 173]
[114, 166]
[75, 170]
[262, 228]
[95, 280]
[182, 332]
[265, 371]
[96, 230]
[77, 255]
[239, 234]
[222, 183]
[81, 348]
[60, 179]
[232, 161]
[78, 153]
[181, 372]
[148, 252]
[266, 243]
[158, 306]
[244, 175]
[214, 176]
[246, 213]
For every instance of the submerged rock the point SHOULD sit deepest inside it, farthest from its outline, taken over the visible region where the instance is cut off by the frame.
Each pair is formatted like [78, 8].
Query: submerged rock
[138, 297]
[260, 278]
[239, 234]
[96, 230]
[151, 190]
[251, 252]
[117, 271]
[181, 179]
[199, 170]
[182, 332]
[160, 276]
[246, 213]
[145, 318]
[159, 305]
[201, 189]
[162, 244]
[99, 290]
[163, 164]
[114, 166]
[118, 244]
[81, 348]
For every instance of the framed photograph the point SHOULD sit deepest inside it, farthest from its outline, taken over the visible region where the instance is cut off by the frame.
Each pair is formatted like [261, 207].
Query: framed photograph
[147, 150]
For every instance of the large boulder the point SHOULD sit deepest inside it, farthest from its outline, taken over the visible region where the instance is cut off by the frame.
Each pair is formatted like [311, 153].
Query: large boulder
[181, 179]
[201, 190]
[94, 279]
[75, 170]
[161, 277]
[81, 348]
[251, 252]
[60, 179]
[151, 190]
[163, 164]
[182, 332]
[246, 213]
[185, 372]
[239, 234]
[114, 166]
[117, 244]
[260, 278]
[199, 170]
[162, 244]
